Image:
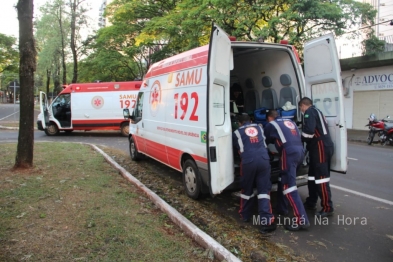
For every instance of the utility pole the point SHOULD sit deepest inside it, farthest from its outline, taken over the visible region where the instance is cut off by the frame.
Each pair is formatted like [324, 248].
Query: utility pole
[15, 86]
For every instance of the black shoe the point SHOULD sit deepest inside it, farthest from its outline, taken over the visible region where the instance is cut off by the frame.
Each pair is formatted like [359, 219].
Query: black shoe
[296, 227]
[268, 229]
[308, 206]
[324, 214]
[280, 213]
[245, 220]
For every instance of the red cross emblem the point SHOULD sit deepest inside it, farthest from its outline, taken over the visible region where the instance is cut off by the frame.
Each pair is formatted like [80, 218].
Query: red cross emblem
[97, 102]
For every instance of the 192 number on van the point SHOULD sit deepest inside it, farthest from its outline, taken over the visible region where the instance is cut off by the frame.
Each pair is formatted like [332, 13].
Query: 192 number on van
[182, 103]
[127, 103]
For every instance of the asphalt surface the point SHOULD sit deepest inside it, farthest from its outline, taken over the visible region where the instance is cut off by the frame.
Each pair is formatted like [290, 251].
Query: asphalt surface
[360, 229]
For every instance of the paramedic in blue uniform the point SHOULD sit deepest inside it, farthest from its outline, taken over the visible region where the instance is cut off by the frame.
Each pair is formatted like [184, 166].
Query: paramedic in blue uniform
[315, 133]
[249, 141]
[287, 139]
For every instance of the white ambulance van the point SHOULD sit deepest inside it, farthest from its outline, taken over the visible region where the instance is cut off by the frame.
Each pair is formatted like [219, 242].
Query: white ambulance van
[88, 106]
[184, 114]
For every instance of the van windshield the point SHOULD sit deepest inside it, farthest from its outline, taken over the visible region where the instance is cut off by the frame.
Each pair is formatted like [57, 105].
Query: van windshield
[139, 105]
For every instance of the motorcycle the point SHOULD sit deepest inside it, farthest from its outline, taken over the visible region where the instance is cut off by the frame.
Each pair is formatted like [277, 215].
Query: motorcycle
[383, 127]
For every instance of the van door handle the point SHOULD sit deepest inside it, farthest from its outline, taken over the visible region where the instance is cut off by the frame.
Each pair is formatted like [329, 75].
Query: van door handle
[143, 125]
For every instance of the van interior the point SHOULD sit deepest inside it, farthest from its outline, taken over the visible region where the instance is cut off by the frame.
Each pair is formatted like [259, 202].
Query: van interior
[264, 77]
[61, 108]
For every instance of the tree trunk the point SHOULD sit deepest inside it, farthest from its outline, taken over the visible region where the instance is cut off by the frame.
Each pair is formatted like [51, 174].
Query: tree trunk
[74, 5]
[63, 58]
[48, 74]
[27, 67]
[56, 80]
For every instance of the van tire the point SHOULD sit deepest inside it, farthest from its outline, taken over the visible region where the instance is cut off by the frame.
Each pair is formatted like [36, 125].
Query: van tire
[135, 155]
[125, 129]
[192, 179]
[52, 129]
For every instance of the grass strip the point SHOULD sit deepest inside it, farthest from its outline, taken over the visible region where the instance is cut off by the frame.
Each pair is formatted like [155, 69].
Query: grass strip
[74, 206]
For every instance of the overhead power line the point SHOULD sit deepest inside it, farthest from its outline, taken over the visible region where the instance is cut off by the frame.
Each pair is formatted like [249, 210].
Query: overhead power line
[390, 22]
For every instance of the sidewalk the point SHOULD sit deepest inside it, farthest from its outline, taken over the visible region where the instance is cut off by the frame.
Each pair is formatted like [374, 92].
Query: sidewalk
[357, 135]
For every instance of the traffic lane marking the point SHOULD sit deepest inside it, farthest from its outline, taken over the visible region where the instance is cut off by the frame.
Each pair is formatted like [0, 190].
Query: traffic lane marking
[363, 195]
[9, 115]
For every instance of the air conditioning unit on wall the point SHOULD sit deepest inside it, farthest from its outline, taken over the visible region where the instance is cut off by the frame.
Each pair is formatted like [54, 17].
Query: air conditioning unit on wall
[347, 82]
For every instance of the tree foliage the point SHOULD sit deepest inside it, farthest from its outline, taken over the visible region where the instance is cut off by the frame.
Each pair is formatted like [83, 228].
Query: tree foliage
[53, 30]
[144, 31]
[118, 53]
[77, 13]
[9, 55]
[60, 40]
[372, 45]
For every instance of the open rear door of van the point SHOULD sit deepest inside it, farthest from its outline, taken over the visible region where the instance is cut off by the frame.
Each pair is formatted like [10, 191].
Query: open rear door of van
[324, 86]
[219, 141]
[44, 109]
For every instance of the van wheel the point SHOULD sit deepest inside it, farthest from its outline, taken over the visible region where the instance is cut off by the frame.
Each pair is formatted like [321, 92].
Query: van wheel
[135, 155]
[192, 179]
[52, 129]
[125, 129]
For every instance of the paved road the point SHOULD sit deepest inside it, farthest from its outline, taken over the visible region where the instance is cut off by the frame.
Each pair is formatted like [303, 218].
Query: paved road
[9, 112]
[361, 228]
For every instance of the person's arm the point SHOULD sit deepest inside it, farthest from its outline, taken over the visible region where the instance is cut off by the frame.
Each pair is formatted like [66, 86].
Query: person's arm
[309, 126]
[235, 142]
[268, 129]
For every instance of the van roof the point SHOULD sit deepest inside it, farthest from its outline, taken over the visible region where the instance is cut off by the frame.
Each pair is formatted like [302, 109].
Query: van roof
[103, 87]
[199, 56]
[192, 58]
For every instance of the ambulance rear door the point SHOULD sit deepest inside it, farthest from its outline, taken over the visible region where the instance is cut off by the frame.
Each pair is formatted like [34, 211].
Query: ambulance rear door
[324, 86]
[44, 109]
[219, 142]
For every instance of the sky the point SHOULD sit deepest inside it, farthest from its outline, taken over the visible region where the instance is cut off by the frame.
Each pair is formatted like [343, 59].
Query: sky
[9, 24]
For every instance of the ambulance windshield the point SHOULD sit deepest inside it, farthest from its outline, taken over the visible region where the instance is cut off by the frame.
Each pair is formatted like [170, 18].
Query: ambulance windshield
[139, 107]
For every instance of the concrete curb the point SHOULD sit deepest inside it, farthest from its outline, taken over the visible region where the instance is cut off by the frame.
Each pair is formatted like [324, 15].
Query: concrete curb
[357, 140]
[9, 128]
[189, 228]
[13, 128]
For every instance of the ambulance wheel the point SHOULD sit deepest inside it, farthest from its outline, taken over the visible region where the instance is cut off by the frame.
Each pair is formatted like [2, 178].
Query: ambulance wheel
[52, 129]
[135, 155]
[125, 129]
[192, 179]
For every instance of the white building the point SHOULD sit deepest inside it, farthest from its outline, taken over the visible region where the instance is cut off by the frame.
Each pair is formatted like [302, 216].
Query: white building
[368, 82]
[382, 29]
[102, 21]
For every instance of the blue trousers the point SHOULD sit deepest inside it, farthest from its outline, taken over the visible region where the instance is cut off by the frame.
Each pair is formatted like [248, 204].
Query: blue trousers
[256, 174]
[291, 159]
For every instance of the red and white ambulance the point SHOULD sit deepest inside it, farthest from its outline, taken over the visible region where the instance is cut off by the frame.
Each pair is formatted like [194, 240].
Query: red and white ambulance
[184, 116]
[88, 106]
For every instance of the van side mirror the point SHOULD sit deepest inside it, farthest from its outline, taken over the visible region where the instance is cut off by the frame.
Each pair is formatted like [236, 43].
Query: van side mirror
[126, 113]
